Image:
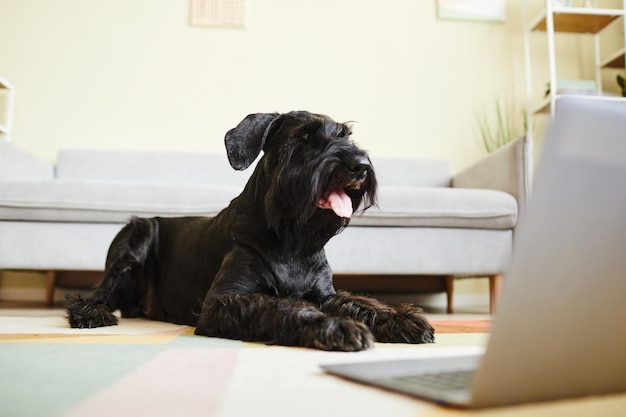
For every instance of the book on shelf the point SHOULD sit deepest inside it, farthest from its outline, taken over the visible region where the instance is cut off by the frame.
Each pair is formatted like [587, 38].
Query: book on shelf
[578, 87]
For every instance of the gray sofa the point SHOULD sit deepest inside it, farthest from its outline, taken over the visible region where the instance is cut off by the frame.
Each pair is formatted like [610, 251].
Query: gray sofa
[428, 223]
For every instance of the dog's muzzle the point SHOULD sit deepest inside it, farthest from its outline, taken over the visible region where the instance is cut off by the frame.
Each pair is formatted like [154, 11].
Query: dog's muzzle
[337, 200]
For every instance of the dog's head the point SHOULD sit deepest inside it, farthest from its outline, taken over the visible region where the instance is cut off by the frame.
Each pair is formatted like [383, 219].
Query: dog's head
[317, 176]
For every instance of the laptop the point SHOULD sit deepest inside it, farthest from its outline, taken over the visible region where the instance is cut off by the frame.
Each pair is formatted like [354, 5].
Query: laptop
[559, 331]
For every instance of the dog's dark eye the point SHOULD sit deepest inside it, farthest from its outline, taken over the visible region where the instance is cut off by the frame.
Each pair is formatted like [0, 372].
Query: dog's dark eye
[305, 136]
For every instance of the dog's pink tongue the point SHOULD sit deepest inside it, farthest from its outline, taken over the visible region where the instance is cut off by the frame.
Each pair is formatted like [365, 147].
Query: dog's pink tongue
[339, 202]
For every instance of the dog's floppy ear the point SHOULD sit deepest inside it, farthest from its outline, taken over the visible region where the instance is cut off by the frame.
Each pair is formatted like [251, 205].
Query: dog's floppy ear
[245, 141]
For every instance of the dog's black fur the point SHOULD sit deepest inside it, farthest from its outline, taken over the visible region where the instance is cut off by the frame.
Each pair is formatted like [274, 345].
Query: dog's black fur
[257, 271]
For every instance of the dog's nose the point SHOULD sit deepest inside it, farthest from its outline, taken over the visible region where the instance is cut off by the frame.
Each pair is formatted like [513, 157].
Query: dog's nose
[358, 165]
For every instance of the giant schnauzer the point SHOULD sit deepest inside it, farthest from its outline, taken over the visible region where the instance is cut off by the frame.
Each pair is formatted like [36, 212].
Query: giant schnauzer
[257, 271]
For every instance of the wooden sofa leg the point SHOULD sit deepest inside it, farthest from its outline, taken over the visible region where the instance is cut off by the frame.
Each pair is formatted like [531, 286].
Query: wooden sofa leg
[51, 278]
[495, 286]
[449, 292]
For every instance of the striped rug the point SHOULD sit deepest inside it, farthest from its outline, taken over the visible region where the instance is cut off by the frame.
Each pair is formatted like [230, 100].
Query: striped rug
[144, 368]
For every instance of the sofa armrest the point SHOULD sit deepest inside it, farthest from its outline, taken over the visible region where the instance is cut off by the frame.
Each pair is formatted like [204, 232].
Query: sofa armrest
[16, 164]
[508, 169]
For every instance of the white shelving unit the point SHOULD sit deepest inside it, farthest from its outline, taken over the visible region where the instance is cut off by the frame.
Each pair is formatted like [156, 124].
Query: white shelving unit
[7, 93]
[590, 21]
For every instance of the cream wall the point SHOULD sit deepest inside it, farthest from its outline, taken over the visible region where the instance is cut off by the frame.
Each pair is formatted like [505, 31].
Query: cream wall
[133, 74]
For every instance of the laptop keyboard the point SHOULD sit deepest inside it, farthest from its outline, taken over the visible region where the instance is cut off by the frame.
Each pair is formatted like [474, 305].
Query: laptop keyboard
[443, 381]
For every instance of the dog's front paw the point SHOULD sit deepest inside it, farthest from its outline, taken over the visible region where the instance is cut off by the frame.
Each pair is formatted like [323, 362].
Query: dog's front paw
[339, 333]
[85, 314]
[405, 325]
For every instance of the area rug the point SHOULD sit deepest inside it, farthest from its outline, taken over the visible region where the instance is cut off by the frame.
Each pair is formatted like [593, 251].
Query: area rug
[143, 368]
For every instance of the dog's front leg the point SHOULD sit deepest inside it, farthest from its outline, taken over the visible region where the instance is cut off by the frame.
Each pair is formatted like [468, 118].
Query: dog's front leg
[402, 324]
[282, 321]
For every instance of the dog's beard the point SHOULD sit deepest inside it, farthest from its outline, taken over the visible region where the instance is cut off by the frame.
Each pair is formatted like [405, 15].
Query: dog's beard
[345, 193]
[307, 204]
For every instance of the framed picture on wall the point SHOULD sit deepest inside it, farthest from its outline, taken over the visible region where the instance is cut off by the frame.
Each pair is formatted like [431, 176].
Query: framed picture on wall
[474, 10]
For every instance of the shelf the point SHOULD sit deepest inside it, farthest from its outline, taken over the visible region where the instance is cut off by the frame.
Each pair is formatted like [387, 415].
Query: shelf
[6, 107]
[577, 19]
[4, 84]
[615, 61]
[544, 105]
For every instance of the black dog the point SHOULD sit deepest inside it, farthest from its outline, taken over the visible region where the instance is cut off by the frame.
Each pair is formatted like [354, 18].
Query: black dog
[257, 271]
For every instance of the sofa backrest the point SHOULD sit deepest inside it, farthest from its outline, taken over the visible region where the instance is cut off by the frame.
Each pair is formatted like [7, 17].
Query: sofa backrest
[148, 166]
[16, 164]
[213, 168]
[408, 172]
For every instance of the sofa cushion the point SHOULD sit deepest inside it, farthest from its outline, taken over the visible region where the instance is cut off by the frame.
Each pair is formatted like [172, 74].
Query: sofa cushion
[113, 202]
[108, 201]
[441, 207]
